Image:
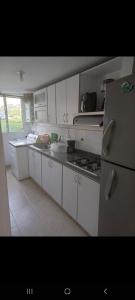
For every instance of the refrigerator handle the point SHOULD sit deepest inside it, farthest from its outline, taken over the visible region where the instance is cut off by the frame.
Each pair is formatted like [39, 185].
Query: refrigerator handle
[107, 136]
[110, 184]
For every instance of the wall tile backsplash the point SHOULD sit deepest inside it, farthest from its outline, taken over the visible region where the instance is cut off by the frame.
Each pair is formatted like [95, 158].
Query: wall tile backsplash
[87, 140]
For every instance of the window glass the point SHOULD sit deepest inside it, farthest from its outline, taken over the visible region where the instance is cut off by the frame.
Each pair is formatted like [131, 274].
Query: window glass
[2, 115]
[14, 114]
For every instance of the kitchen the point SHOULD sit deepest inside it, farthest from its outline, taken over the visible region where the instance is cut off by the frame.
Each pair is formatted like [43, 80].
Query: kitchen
[58, 183]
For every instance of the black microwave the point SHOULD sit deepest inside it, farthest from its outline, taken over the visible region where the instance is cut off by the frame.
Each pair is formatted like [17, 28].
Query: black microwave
[88, 102]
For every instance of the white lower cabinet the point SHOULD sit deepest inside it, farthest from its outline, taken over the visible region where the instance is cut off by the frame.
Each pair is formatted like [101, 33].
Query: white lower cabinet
[44, 172]
[70, 191]
[80, 193]
[37, 171]
[31, 163]
[88, 204]
[19, 162]
[81, 199]
[52, 178]
[35, 165]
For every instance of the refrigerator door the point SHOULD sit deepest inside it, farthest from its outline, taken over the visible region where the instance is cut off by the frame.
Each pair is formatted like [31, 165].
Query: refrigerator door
[117, 201]
[119, 122]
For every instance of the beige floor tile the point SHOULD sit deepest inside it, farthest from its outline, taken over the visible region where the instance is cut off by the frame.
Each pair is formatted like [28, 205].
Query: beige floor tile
[34, 213]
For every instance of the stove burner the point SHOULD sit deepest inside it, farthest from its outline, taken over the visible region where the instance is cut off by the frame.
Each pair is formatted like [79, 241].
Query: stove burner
[88, 164]
[92, 167]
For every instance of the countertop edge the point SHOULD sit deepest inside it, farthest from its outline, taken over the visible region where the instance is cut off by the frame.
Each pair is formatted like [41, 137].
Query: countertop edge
[94, 178]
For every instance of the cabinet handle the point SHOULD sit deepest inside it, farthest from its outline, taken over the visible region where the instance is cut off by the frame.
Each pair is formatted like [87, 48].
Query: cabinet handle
[110, 184]
[107, 137]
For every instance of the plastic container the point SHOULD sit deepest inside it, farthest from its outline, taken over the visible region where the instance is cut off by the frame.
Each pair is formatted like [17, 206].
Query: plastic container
[58, 147]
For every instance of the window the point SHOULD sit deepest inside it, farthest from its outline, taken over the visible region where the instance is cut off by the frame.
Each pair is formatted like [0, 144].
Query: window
[2, 115]
[11, 114]
[14, 114]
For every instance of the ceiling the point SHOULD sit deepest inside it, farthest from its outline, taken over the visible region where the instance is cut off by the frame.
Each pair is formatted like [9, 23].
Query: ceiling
[40, 70]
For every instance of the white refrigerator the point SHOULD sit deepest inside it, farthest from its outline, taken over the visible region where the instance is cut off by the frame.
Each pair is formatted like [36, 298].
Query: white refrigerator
[117, 192]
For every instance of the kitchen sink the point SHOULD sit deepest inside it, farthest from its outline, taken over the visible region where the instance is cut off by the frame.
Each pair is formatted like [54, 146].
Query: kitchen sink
[41, 146]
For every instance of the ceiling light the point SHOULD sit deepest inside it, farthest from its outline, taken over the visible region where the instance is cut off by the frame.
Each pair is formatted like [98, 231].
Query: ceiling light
[21, 75]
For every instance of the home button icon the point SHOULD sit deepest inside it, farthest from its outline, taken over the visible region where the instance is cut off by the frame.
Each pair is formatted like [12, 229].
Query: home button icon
[67, 291]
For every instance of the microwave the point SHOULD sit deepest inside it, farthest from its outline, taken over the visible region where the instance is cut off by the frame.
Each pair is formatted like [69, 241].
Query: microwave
[88, 102]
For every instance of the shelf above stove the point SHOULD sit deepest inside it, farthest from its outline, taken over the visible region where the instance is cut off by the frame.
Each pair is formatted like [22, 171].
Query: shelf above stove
[93, 113]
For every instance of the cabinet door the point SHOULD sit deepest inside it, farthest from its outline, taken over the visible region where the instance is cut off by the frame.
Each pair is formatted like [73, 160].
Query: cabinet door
[88, 204]
[40, 114]
[31, 163]
[44, 172]
[48, 183]
[72, 98]
[70, 191]
[61, 102]
[22, 162]
[13, 160]
[40, 98]
[37, 166]
[51, 104]
[54, 180]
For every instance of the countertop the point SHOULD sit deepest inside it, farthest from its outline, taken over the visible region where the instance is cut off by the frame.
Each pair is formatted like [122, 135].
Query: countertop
[18, 142]
[63, 158]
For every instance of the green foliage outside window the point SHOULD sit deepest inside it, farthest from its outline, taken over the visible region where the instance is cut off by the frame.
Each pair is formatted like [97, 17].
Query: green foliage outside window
[12, 121]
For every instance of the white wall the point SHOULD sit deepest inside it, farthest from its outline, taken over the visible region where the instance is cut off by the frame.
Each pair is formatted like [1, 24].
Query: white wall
[15, 135]
[92, 138]
[5, 227]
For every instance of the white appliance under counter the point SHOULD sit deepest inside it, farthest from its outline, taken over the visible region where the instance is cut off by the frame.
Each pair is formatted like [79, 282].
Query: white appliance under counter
[19, 156]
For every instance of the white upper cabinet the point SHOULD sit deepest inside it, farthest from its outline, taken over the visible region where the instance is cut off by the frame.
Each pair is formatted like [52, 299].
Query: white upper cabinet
[61, 101]
[40, 114]
[58, 103]
[40, 98]
[67, 99]
[72, 98]
[40, 106]
[51, 104]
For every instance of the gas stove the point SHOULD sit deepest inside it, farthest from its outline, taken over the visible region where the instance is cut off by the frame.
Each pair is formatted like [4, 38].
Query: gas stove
[89, 164]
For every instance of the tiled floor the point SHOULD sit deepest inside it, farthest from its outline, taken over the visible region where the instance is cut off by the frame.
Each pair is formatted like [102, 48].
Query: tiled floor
[34, 213]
